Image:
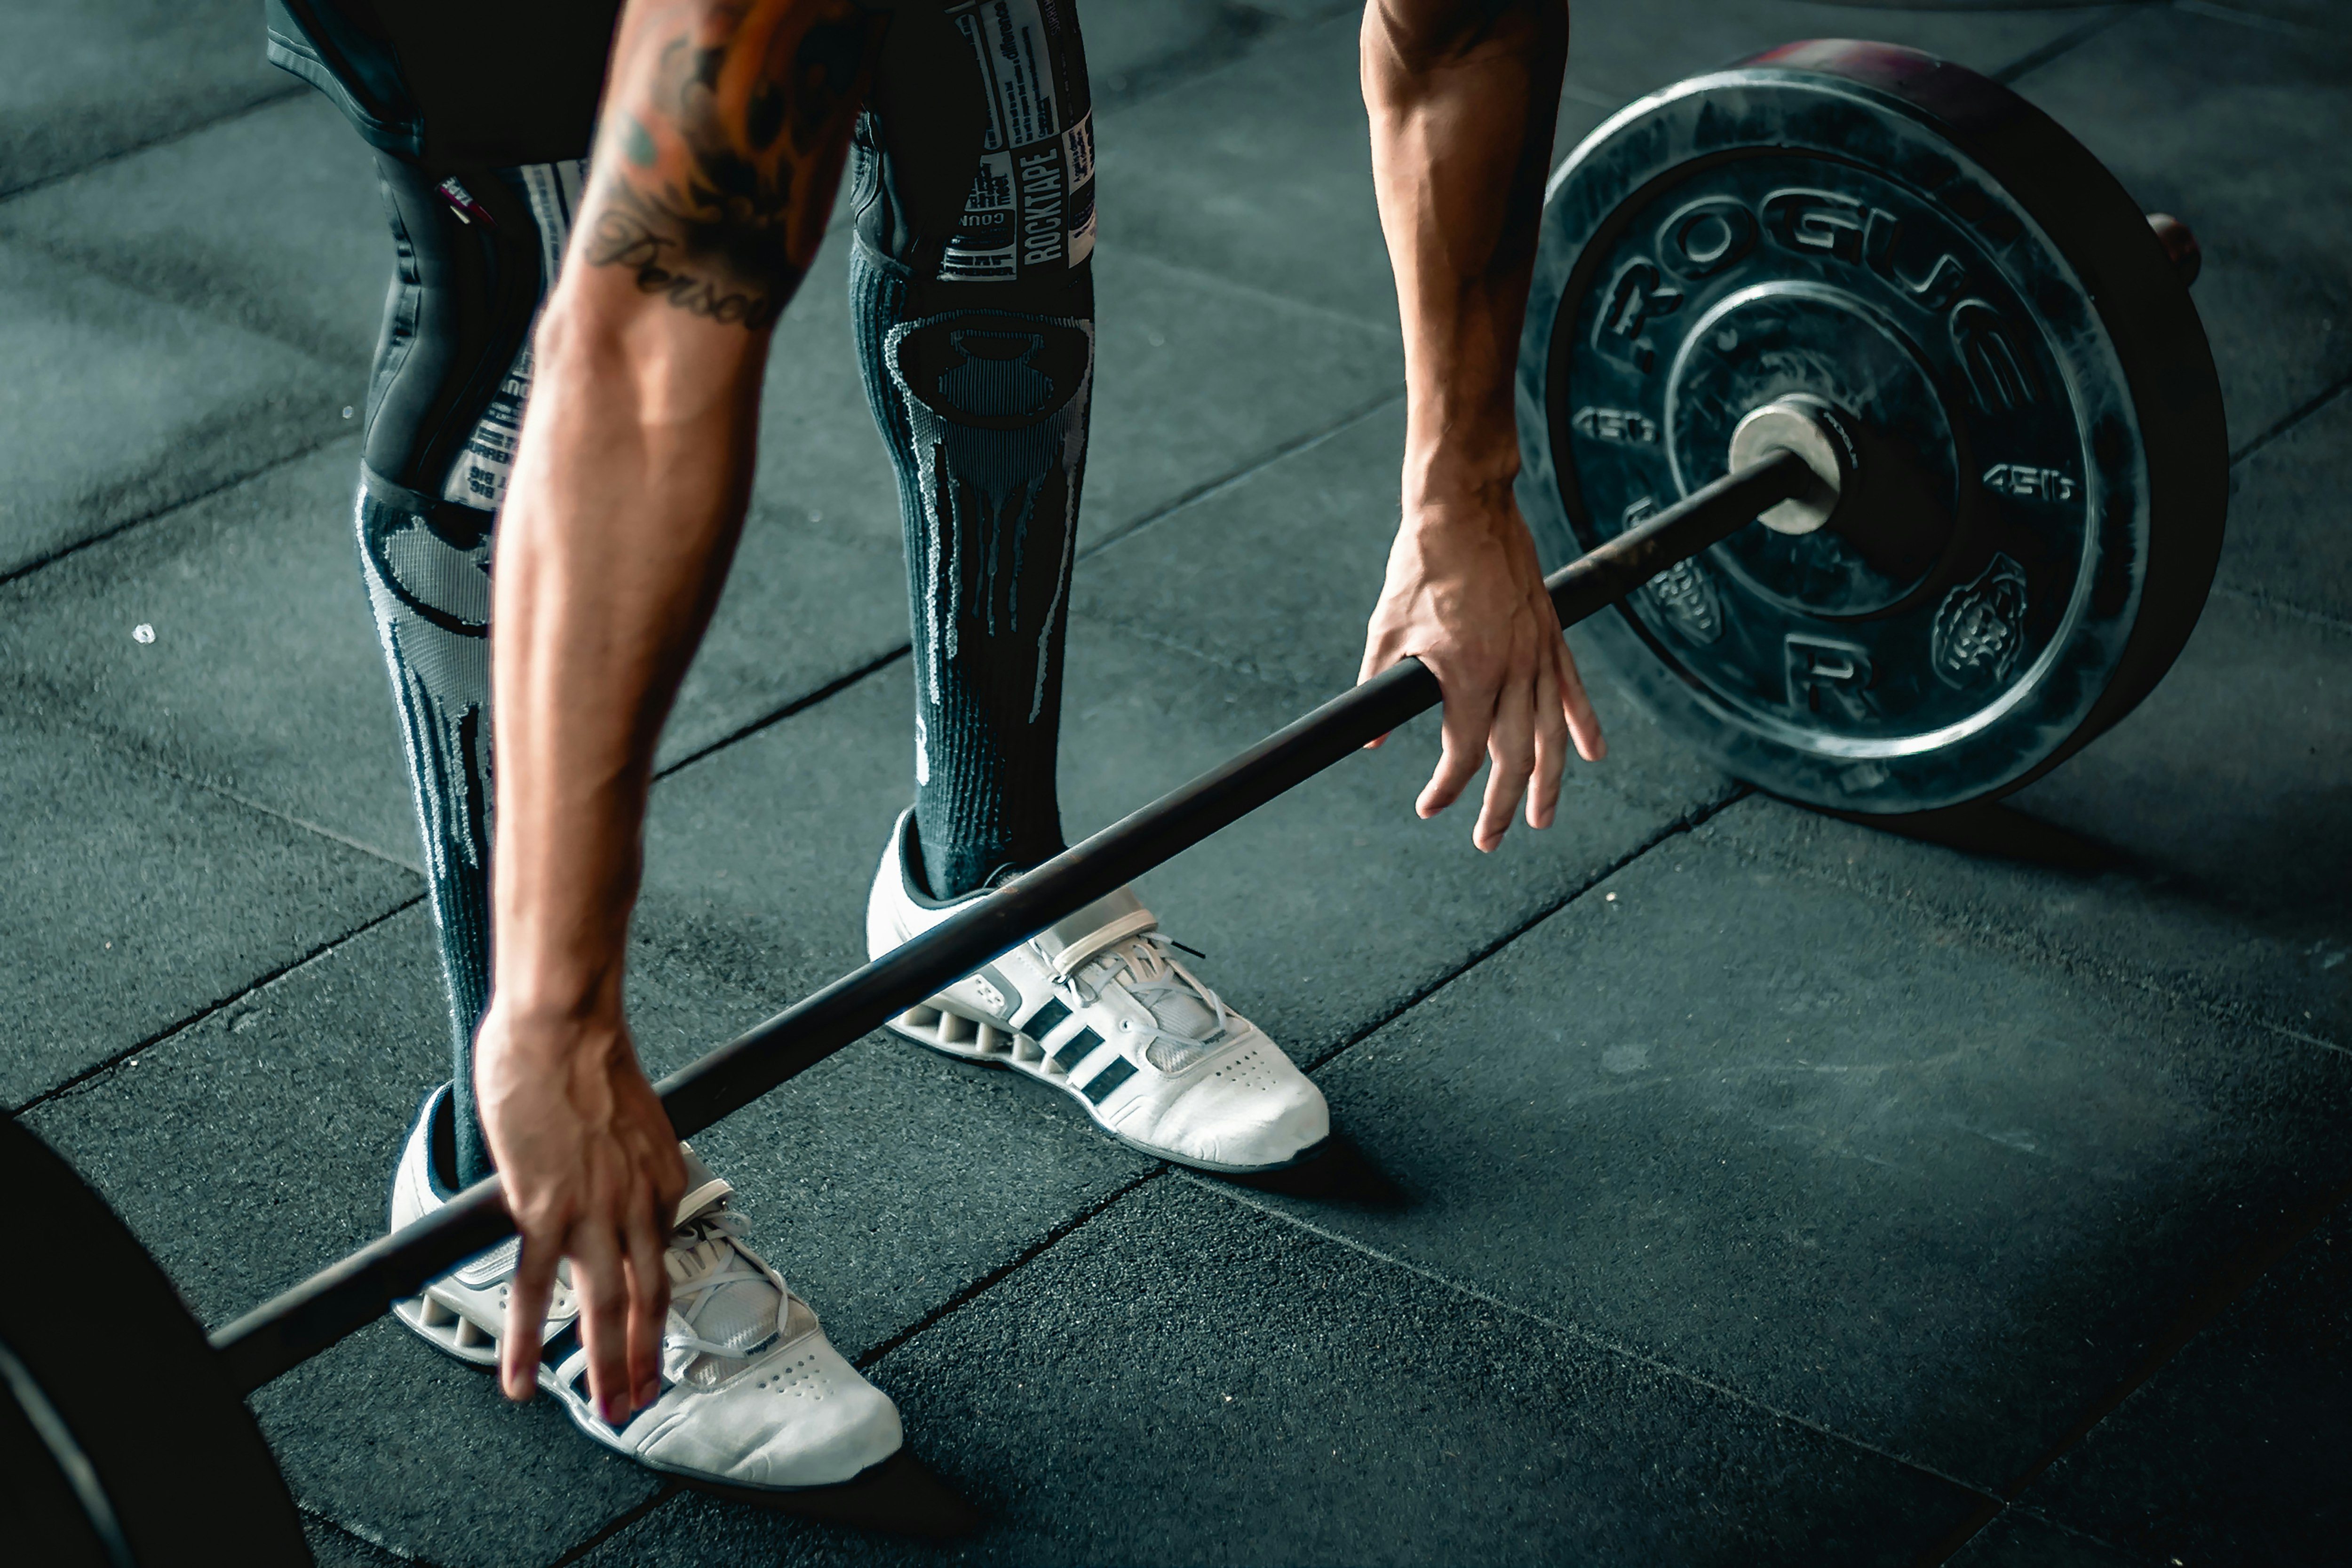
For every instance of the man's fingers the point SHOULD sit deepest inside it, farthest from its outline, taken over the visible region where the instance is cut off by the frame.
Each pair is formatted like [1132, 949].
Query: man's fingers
[648, 1300]
[1463, 736]
[602, 1288]
[1582, 722]
[1511, 743]
[527, 1299]
[1551, 749]
[1378, 656]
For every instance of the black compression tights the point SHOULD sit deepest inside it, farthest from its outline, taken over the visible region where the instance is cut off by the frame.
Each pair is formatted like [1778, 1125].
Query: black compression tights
[972, 301]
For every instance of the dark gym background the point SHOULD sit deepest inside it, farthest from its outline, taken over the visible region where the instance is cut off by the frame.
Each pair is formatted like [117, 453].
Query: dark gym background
[1721, 1182]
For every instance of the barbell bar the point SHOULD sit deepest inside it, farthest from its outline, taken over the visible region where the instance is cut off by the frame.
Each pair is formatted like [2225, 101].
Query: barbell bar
[289, 1329]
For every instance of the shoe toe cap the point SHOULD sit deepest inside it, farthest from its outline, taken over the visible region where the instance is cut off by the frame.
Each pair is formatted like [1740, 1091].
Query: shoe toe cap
[1264, 1115]
[802, 1417]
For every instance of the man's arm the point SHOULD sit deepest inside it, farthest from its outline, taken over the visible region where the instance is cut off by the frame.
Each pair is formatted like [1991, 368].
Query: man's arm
[723, 132]
[1462, 96]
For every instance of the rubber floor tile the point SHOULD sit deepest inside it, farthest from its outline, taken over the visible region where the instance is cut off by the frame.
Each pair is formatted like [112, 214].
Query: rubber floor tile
[2238, 130]
[2287, 543]
[268, 221]
[79, 83]
[2018, 1540]
[134, 901]
[1249, 1391]
[2233, 1452]
[117, 406]
[1824, 1149]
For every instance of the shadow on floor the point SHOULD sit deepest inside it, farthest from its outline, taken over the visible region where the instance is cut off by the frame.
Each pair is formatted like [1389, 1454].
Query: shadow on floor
[1342, 1175]
[1998, 831]
[900, 1496]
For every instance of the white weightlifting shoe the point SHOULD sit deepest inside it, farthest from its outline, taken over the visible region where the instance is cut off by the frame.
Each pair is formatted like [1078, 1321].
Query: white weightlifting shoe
[1099, 1005]
[753, 1398]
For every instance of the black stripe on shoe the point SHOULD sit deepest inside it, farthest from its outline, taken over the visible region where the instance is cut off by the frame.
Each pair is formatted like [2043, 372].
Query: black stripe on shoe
[1046, 1020]
[1073, 1050]
[1097, 1088]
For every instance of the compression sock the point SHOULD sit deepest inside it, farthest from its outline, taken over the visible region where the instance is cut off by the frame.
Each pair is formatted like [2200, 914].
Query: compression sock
[984, 414]
[427, 572]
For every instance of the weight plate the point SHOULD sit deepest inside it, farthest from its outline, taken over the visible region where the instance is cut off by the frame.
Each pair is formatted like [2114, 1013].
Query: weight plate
[2041, 460]
[125, 1442]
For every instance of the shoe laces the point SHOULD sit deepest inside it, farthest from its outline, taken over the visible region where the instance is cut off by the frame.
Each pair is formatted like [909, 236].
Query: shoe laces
[1185, 1013]
[729, 1304]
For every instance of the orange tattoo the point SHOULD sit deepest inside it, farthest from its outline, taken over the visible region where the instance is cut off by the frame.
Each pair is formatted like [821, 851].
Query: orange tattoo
[726, 123]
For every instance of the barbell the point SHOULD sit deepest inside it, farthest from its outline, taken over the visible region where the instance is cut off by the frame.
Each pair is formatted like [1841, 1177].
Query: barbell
[1868, 301]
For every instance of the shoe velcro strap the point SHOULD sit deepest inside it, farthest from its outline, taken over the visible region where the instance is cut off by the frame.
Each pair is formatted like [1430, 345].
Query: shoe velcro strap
[1070, 941]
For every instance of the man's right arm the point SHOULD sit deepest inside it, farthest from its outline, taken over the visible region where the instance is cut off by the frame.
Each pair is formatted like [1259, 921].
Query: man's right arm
[721, 139]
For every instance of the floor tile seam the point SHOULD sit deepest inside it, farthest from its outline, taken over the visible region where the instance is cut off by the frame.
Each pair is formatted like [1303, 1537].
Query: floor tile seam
[172, 1031]
[98, 264]
[2287, 424]
[2051, 1521]
[23, 570]
[116, 746]
[663, 1493]
[2259, 23]
[798, 705]
[1054, 1235]
[2219, 1288]
[331, 1522]
[1984, 932]
[1384, 327]
[1589, 1337]
[1292, 687]
[1250, 468]
[1689, 821]
[2271, 604]
[2067, 42]
[277, 95]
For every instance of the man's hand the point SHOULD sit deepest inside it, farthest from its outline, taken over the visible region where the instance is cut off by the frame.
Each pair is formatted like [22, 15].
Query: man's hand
[1462, 95]
[591, 1173]
[1464, 595]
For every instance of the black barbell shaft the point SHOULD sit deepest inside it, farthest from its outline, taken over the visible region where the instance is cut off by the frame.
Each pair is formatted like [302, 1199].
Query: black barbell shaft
[339, 1300]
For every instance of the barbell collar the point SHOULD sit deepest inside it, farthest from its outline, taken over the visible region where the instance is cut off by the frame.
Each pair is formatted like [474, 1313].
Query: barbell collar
[339, 1300]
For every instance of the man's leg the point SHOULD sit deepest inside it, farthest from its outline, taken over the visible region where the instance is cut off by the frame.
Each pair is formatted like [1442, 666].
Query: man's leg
[973, 303]
[452, 366]
[974, 318]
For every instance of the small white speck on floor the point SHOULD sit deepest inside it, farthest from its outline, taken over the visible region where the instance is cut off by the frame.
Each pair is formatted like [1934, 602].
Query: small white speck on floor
[1609, 898]
[142, 633]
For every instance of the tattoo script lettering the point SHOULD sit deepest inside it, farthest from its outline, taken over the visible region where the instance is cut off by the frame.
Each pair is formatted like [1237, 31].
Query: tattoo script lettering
[725, 128]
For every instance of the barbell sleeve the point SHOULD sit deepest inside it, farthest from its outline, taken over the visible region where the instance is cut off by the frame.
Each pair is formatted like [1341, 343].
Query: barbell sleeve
[339, 1300]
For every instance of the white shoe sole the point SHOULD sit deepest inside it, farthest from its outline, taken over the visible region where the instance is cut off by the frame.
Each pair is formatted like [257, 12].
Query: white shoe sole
[450, 1331]
[986, 1044]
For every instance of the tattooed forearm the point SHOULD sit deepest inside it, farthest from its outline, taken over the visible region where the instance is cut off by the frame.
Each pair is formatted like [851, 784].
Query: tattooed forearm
[725, 126]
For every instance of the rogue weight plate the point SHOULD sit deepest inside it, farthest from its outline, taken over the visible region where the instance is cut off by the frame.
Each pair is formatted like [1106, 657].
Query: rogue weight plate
[2040, 460]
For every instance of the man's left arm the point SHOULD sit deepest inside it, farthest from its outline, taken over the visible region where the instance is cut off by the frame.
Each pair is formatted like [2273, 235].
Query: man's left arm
[1464, 95]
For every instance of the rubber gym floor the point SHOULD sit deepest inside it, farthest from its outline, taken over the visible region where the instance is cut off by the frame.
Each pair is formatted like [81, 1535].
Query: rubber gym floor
[1716, 1182]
